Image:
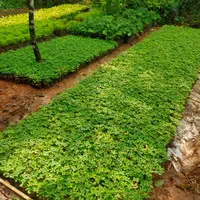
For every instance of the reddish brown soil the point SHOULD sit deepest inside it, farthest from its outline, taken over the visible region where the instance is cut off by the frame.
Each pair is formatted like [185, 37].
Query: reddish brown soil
[4, 13]
[177, 186]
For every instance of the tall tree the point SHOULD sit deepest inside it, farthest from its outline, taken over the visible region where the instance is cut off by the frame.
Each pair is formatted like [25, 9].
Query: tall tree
[32, 31]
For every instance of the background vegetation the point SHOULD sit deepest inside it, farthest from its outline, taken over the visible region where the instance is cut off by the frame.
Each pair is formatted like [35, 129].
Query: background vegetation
[171, 11]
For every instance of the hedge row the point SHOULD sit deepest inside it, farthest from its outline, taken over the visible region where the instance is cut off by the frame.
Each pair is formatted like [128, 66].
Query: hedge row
[112, 27]
[104, 138]
[60, 56]
[15, 30]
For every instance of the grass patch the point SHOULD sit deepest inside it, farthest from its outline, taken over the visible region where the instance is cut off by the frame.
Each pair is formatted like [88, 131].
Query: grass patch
[104, 138]
[14, 29]
[60, 56]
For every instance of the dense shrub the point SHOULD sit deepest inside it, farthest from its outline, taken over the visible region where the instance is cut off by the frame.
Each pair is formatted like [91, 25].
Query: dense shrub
[130, 22]
[11, 4]
[110, 6]
[170, 11]
[188, 11]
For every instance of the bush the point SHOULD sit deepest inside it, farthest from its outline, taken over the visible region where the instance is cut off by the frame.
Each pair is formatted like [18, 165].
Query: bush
[188, 12]
[114, 27]
[12, 4]
[117, 6]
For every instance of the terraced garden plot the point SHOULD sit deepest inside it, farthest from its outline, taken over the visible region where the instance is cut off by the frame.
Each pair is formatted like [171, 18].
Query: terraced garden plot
[15, 30]
[60, 57]
[104, 138]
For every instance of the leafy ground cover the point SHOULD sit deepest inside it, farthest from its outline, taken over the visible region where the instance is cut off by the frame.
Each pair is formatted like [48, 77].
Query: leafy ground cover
[113, 27]
[15, 30]
[60, 56]
[104, 138]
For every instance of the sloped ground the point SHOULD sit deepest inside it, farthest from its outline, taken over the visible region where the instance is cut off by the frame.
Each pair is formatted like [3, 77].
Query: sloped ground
[185, 184]
[19, 100]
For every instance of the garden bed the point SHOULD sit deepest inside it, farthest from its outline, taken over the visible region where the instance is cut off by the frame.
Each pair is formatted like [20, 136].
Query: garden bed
[60, 57]
[15, 30]
[76, 20]
[105, 137]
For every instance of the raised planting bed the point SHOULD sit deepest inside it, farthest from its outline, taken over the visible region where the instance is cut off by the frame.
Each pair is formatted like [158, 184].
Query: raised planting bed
[60, 57]
[15, 30]
[105, 138]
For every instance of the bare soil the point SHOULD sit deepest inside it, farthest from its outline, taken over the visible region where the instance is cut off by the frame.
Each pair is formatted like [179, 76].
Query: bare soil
[6, 194]
[4, 13]
[177, 186]
[19, 100]
[185, 184]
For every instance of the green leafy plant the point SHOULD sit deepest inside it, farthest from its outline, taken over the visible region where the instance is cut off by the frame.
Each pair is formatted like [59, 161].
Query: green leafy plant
[12, 4]
[114, 27]
[60, 56]
[14, 29]
[104, 138]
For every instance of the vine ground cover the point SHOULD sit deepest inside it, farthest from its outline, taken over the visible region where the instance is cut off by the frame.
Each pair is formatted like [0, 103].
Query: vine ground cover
[104, 138]
[60, 56]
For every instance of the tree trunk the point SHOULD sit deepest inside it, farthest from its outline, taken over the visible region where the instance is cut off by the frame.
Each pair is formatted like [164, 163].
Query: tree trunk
[32, 31]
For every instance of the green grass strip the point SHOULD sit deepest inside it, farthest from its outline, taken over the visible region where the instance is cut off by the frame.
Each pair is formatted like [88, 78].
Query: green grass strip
[60, 56]
[104, 138]
[14, 29]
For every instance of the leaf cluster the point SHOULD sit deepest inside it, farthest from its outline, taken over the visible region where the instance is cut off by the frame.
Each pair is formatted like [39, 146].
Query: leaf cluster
[60, 56]
[104, 138]
[15, 30]
[114, 27]
[11, 4]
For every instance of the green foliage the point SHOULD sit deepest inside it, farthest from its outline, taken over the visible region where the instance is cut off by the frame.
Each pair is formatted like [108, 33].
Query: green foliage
[104, 138]
[129, 23]
[15, 30]
[60, 56]
[188, 11]
[117, 6]
[50, 3]
[11, 4]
